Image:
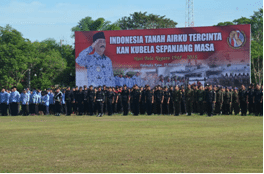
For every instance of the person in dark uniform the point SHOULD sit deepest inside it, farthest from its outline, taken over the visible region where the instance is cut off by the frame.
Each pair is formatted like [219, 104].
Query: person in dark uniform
[68, 100]
[159, 99]
[257, 99]
[250, 94]
[183, 106]
[58, 99]
[142, 101]
[85, 101]
[91, 100]
[200, 95]
[235, 101]
[154, 105]
[195, 110]
[80, 101]
[74, 92]
[119, 100]
[243, 98]
[105, 103]
[136, 97]
[176, 99]
[110, 100]
[210, 99]
[171, 107]
[189, 100]
[166, 101]
[100, 98]
[219, 101]
[227, 102]
[125, 99]
[149, 98]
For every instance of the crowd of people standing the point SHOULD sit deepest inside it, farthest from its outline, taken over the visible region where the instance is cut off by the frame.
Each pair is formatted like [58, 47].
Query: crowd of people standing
[208, 99]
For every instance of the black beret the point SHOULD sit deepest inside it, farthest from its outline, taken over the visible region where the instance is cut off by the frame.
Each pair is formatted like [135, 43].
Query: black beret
[99, 35]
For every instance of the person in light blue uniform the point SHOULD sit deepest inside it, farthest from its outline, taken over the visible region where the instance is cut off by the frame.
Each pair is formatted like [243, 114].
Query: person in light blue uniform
[33, 98]
[38, 102]
[14, 101]
[130, 82]
[3, 101]
[51, 101]
[117, 80]
[136, 79]
[24, 100]
[121, 80]
[63, 103]
[99, 66]
[45, 102]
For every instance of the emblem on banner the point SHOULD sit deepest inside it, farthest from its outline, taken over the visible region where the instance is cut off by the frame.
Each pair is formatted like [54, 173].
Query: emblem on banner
[236, 39]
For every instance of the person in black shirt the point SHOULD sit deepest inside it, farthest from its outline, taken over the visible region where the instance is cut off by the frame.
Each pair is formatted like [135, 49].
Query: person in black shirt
[80, 101]
[136, 97]
[159, 99]
[58, 99]
[149, 98]
[119, 100]
[125, 99]
[257, 100]
[105, 103]
[183, 108]
[74, 92]
[91, 100]
[142, 101]
[110, 100]
[68, 100]
[85, 101]
[171, 107]
[250, 94]
[166, 101]
[100, 98]
[210, 100]
[243, 100]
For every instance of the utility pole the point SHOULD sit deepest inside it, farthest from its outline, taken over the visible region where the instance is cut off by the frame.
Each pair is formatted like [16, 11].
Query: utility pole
[189, 18]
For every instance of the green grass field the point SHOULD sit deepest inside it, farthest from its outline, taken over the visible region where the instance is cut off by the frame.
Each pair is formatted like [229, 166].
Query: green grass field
[131, 144]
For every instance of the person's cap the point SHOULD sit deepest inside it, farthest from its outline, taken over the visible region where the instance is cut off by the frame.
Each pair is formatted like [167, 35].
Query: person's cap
[99, 35]
[99, 86]
[90, 86]
[236, 88]
[48, 89]
[124, 85]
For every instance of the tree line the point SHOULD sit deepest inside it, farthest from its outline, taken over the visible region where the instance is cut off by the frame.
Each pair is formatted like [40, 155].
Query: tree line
[47, 63]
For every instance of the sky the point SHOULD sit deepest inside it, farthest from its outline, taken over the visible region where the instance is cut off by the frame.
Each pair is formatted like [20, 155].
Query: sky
[38, 20]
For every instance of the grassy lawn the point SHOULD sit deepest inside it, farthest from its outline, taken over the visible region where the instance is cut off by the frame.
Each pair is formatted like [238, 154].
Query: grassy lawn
[131, 144]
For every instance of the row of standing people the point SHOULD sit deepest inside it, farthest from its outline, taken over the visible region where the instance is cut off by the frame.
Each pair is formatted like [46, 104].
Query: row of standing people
[108, 100]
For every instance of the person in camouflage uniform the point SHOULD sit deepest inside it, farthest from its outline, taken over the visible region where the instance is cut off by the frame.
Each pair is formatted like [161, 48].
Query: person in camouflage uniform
[200, 100]
[219, 100]
[176, 98]
[195, 109]
[227, 102]
[189, 97]
[235, 102]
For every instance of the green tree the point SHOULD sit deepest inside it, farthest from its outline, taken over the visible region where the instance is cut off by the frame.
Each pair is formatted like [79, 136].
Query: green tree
[139, 20]
[15, 57]
[224, 23]
[50, 65]
[88, 24]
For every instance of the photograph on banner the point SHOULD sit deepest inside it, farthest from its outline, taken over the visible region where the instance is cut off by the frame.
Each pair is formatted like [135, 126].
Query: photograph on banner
[218, 55]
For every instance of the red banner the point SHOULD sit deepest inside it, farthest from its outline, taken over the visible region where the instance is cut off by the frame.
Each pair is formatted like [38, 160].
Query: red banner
[186, 48]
